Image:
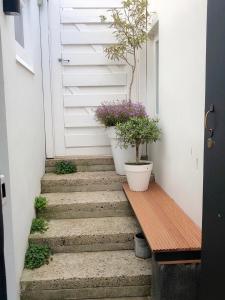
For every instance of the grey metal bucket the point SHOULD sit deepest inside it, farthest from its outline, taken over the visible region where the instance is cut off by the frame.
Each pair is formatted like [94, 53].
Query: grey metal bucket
[141, 247]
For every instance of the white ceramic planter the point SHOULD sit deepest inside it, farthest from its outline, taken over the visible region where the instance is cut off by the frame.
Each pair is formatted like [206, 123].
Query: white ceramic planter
[138, 176]
[120, 155]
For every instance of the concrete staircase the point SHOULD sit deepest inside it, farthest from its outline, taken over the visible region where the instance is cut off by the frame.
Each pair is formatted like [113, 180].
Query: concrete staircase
[91, 229]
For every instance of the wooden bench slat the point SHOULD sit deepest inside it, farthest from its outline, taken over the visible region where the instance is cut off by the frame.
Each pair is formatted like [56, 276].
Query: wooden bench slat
[164, 223]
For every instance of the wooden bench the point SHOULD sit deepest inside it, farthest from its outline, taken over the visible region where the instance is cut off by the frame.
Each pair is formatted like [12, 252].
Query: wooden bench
[175, 240]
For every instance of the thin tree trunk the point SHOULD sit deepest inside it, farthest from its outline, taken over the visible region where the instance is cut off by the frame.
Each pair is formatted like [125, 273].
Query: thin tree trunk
[132, 75]
[137, 153]
[131, 83]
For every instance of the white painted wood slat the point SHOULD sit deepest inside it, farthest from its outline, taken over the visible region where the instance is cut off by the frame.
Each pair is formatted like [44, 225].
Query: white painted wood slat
[84, 16]
[86, 140]
[81, 121]
[90, 100]
[88, 79]
[72, 37]
[91, 3]
[89, 59]
[115, 79]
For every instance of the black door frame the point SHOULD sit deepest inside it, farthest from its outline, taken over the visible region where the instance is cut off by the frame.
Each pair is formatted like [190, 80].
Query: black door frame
[213, 229]
[3, 289]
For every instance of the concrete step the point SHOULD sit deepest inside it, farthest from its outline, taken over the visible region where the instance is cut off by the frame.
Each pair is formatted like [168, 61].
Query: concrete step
[108, 274]
[97, 234]
[82, 182]
[83, 163]
[86, 205]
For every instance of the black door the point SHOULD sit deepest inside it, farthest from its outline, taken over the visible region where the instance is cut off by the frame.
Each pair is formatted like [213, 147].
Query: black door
[3, 295]
[213, 255]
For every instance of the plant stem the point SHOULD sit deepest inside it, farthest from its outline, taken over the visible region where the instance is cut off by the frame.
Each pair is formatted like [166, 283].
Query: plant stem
[131, 83]
[137, 153]
[133, 67]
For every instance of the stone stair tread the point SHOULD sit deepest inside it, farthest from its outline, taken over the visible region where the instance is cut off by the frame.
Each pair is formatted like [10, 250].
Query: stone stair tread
[78, 228]
[58, 199]
[89, 176]
[95, 204]
[89, 270]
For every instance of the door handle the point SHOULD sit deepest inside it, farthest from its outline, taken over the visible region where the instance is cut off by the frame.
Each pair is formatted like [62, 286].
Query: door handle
[2, 189]
[211, 110]
[64, 60]
[210, 141]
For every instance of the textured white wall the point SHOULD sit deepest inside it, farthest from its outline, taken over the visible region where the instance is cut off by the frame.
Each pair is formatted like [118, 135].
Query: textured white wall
[24, 117]
[178, 157]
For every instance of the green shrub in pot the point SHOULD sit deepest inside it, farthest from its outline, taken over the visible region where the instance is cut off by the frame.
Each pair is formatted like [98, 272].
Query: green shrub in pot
[135, 132]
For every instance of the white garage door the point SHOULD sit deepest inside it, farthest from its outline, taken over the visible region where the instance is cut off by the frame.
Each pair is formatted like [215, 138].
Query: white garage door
[82, 77]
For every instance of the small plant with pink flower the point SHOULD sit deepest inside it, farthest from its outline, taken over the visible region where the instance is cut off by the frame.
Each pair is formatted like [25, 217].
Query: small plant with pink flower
[114, 112]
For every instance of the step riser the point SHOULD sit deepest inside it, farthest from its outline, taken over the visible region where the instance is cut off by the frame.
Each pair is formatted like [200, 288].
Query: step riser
[85, 185]
[68, 187]
[87, 211]
[92, 168]
[87, 293]
[89, 247]
[73, 246]
[84, 164]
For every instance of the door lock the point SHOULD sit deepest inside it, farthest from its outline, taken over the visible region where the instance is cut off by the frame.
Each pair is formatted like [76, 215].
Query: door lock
[2, 189]
[210, 143]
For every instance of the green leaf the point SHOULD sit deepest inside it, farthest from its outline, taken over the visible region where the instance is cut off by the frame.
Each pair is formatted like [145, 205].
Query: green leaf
[103, 18]
[39, 225]
[37, 256]
[65, 167]
[40, 203]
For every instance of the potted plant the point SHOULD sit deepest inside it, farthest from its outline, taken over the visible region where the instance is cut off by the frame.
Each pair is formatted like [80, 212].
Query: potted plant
[111, 113]
[131, 24]
[135, 132]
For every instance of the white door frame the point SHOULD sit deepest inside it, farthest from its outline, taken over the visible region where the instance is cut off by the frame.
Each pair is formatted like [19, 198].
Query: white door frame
[46, 78]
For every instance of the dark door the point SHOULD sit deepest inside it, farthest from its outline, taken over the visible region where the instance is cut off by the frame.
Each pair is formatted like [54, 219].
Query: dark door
[3, 295]
[213, 255]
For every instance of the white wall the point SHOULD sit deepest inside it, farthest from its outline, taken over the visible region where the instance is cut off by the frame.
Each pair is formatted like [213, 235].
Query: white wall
[7, 207]
[178, 157]
[24, 117]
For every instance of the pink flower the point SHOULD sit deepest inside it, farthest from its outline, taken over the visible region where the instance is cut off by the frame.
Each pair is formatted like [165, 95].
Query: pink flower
[111, 113]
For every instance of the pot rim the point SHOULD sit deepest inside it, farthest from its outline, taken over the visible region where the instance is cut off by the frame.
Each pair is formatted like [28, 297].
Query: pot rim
[141, 163]
[140, 236]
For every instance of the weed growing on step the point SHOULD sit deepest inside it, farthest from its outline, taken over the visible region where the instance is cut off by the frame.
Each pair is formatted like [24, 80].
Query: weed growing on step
[40, 203]
[39, 225]
[65, 167]
[37, 256]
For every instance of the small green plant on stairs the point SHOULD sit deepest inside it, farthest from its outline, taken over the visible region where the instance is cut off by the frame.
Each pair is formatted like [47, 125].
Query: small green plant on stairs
[40, 203]
[65, 167]
[39, 225]
[37, 256]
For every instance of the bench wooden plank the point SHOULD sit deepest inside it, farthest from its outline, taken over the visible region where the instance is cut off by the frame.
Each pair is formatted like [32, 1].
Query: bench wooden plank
[166, 227]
